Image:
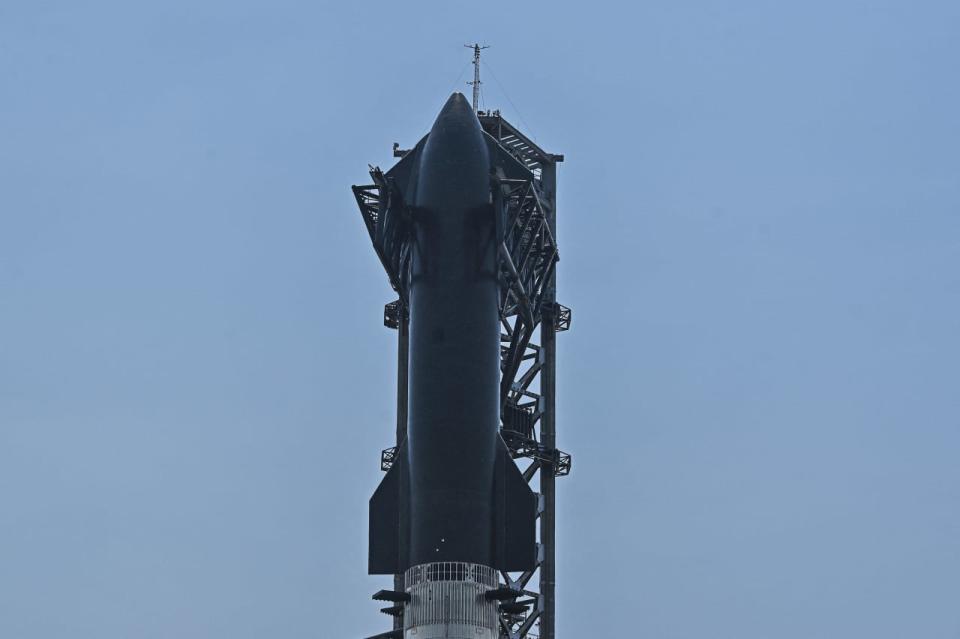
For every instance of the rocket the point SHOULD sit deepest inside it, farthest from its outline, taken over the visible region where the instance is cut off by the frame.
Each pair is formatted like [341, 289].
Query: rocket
[453, 493]
[453, 508]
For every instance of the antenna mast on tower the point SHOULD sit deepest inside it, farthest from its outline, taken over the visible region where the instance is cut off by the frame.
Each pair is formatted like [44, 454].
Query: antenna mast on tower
[476, 74]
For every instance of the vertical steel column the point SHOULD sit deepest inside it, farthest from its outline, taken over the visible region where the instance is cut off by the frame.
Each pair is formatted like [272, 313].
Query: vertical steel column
[548, 422]
[548, 479]
[403, 356]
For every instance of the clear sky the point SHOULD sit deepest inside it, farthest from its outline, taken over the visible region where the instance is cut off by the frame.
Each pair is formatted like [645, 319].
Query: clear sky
[760, 238]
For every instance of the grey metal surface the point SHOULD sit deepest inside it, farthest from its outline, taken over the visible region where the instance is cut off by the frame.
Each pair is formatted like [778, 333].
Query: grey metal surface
[447, 600]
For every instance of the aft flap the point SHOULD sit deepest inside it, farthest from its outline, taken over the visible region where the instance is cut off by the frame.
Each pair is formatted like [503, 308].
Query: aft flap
[515, 516]
[389, 520]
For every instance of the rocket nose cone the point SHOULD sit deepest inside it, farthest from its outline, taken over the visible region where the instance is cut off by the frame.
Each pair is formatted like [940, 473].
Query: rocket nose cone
[457, 112]
[457, 101]
[454, 165]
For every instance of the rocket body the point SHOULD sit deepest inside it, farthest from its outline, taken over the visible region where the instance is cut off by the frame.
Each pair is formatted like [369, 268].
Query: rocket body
[454, 366]
[453, 493]
[453, 508]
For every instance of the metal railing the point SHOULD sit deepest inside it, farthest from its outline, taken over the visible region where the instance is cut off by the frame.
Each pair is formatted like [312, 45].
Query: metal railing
[450, 593]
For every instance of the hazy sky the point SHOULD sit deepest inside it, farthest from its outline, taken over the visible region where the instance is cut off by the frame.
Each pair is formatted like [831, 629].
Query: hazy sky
[760, 239]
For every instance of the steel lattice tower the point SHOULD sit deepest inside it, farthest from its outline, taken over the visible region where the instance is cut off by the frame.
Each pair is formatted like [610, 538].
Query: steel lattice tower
[530, 318]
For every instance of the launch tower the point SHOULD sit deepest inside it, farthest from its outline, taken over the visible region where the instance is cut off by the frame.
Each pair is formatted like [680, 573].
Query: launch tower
[465, 227]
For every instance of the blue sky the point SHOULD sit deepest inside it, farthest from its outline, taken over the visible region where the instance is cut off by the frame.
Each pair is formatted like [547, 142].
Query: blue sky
[760, 238]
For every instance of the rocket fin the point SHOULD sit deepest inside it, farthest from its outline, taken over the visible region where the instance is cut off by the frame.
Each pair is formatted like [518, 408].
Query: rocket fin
[389, 520]
[406, 172]
[515, 516]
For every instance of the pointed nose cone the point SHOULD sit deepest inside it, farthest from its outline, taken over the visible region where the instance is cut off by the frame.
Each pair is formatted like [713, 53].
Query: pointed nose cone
[454, 167]
[456, 112]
